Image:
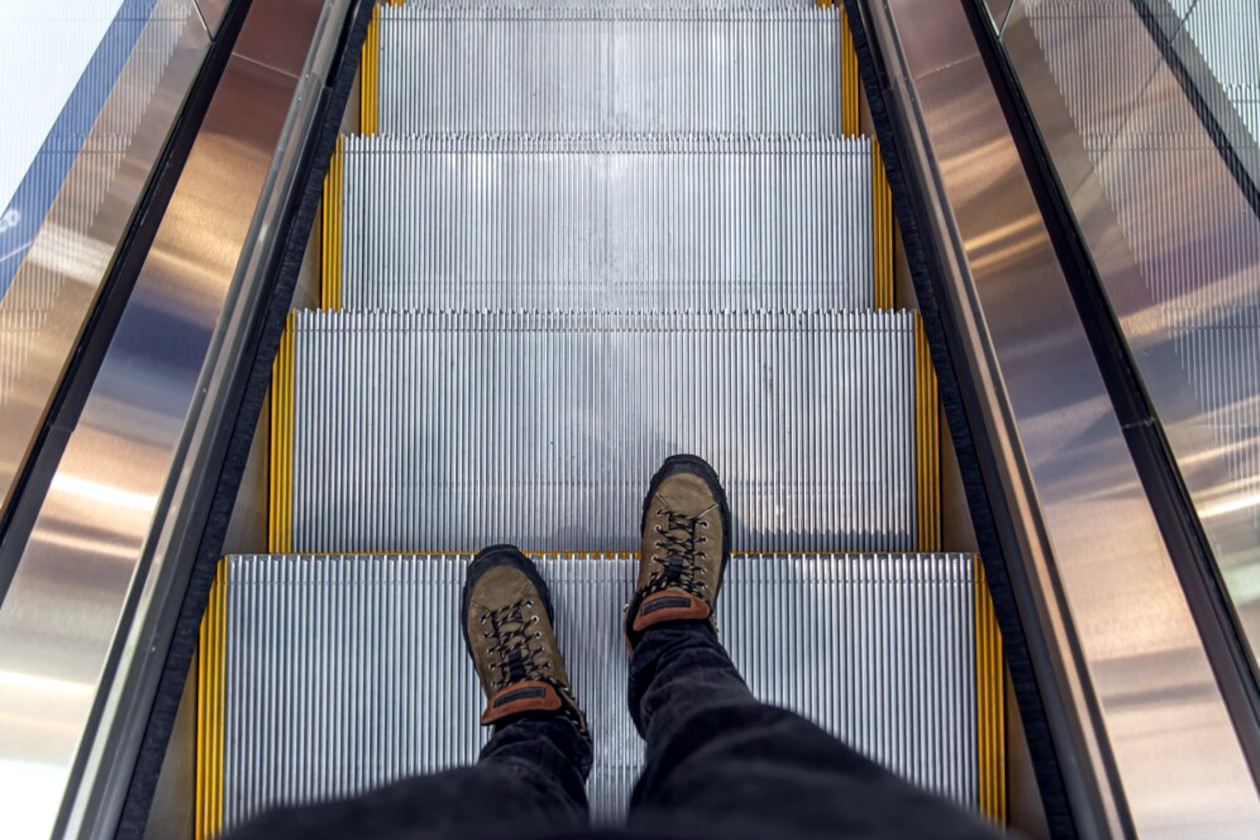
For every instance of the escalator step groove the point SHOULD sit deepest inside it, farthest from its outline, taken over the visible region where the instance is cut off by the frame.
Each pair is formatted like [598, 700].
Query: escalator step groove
[604, 223]
[343, 672]
[567, 67]
[412, 430]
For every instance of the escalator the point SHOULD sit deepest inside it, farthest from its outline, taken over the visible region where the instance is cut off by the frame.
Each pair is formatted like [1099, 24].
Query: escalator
[566, 243]
[957, 298]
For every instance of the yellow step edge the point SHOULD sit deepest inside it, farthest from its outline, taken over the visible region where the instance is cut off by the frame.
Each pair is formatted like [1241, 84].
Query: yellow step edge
[882, 224]
[330, 217]
[990, 704]
[210, 686]
[927, 444]
[368, 73]
[330, 245]
[279, 526]
[850, 83]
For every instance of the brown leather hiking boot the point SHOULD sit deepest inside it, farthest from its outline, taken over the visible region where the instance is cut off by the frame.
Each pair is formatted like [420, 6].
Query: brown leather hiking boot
[507, 621]
[686, 528]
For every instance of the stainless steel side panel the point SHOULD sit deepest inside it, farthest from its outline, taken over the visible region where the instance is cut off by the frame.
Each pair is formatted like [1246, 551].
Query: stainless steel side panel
[1145, 741]
[56, 287]
[1177, 248]
[81, 627]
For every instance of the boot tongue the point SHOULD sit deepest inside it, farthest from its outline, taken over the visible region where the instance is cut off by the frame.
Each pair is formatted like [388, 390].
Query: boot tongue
[669, 605]
[520, 697]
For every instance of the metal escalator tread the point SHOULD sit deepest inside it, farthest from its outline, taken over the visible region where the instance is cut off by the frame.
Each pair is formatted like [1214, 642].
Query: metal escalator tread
[769, 67]
[338, 673]
[602, 222]
[400, 431]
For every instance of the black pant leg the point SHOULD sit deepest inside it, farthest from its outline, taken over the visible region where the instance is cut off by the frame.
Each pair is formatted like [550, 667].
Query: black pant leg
[720, 763]
[531, 773]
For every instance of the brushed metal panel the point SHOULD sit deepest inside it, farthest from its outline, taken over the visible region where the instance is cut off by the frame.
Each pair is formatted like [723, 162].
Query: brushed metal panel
[1177, 248]
[278, 35]
[1140, 695]
[212, 12]
[55, 288]
[89, 559]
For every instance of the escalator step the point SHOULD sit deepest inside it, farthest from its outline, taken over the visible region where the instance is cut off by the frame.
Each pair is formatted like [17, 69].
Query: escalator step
[403, 430]
[331, 674]
[604, 223]
[765, 67]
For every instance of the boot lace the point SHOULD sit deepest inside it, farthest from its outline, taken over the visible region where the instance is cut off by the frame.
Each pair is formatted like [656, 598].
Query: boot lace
[514, 647]
[680, 567]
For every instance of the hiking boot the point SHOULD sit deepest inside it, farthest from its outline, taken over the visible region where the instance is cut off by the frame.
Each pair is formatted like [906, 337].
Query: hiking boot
[686, 528]
[507, 621]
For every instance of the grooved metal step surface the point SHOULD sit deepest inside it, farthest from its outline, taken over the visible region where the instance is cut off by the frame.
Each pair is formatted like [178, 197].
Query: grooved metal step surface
[331, 674]
[570, 67]
[404, 430]
[603, 223]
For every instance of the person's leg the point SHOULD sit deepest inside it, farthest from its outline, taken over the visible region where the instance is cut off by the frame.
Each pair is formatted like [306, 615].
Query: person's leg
[719, 762]
[530, 775]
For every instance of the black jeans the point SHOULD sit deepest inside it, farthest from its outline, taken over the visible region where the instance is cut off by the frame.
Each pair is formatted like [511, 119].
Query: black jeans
[719, 764]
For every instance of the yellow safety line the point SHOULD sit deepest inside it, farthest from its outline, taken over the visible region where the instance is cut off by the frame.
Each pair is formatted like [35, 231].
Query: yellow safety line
[201, 807]
[928, 449]
[325, 231]
[210, 711]
[338, 218]
[850, 84]
[281, 503]
[330, 247]
[882, 220]
[368, 76]
[286, 443]
[990, 704]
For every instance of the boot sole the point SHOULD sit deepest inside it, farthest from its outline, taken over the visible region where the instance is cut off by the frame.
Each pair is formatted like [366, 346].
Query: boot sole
[697, 466]
[491, 558]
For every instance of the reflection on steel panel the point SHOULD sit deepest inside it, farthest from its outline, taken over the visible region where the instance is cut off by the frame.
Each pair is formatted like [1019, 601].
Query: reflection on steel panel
[1149, 742]
[56, 285]
[1226, 34]
[997, 12]
[85, 625]
[1177, 246]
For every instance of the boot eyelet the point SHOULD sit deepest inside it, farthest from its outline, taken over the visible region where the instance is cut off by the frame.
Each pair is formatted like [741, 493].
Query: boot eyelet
[534, 620]
[538, 635]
